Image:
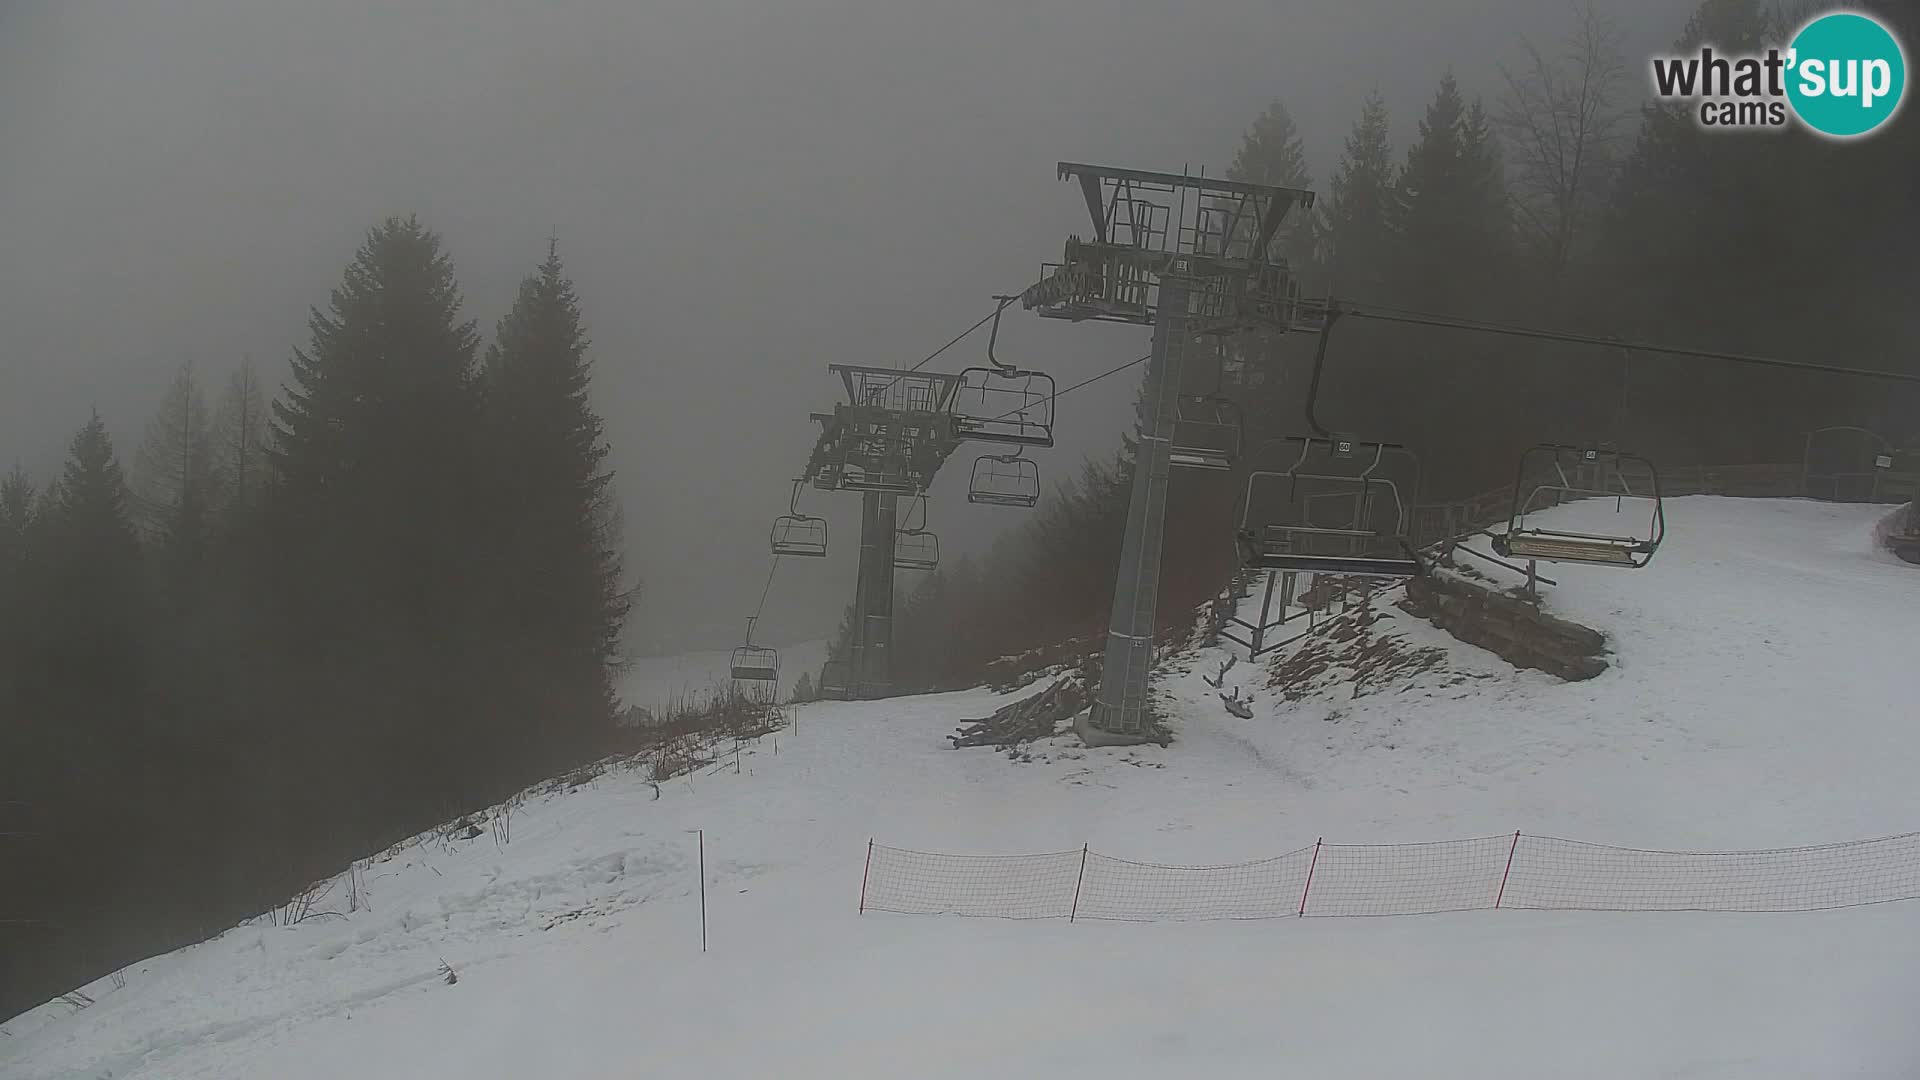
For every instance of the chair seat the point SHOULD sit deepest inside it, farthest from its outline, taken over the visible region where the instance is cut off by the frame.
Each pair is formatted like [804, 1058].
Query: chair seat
[1564, 549]
[1352, 565]
[1198, 459]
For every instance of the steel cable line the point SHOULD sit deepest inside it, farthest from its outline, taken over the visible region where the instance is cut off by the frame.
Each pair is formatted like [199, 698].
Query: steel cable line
[1383, 313]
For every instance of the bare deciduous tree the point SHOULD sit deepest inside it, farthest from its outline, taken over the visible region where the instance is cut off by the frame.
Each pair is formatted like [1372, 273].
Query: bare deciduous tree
[1563, 120]
[174, 471]
[240, 435]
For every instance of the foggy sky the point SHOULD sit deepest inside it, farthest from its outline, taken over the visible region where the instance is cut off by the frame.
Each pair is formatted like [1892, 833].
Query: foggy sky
[743, 193]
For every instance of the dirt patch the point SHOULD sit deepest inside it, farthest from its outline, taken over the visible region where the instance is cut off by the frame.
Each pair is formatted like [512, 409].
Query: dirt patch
[1351, 649]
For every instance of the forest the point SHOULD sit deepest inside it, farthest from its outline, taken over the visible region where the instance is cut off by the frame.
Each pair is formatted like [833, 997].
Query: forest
[282, 634]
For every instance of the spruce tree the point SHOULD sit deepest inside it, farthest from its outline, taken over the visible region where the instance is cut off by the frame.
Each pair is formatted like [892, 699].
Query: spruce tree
[1360, 195]
[379, 527]
[561, 587]
[1271, 153]
[91, 529]
[1429, 204]
[82, 679]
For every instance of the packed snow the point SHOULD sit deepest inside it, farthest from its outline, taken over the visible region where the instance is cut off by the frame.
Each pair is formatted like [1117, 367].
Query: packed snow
[1760, 695]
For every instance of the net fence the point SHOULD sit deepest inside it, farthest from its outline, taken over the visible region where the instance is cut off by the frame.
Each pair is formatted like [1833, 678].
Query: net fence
[1509, 871]
[993, 886]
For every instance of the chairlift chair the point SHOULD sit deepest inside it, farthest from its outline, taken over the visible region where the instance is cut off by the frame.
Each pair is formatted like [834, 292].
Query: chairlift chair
[1002, 402]
[1364, 532]
[1004, 480]
[795, 533]
[1005, 405]
[916, 548]
[1608, 480]
[755, 663]
[836, 680]
[1208, 428]
[1207, 433]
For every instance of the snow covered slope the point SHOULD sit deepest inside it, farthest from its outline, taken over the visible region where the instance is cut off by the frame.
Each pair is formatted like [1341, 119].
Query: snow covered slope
[1761, 694]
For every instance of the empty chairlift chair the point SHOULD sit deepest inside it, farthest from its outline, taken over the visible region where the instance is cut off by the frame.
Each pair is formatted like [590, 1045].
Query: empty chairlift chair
[1207, 433]
[916, 548]
[1004, 480]
[1596, 475]
[1341, 508]
[835, 681]
[1004, 404]
[1208, 428]
[795, 533]
[1001, 402]
[755, 663]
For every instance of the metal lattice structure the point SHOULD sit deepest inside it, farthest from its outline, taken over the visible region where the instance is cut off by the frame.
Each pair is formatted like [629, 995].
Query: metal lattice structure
[892, 434]
[1214, 238]
[887, 440]
[1194, 258]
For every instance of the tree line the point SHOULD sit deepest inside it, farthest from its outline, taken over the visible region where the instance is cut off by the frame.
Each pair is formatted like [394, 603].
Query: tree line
[1564, 201]
[287, 633]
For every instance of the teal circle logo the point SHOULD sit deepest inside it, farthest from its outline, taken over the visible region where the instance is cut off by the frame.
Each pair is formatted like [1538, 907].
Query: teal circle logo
[1848, 75]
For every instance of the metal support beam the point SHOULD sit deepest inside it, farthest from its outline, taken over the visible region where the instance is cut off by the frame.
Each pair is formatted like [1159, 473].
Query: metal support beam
[872, 660]
[1120, 712]
[1266, 610]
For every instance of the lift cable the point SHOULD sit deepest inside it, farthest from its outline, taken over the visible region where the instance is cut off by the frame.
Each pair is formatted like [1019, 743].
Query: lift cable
[1000, 303]
[767, 588]
[1084, 382]
[1449, 322]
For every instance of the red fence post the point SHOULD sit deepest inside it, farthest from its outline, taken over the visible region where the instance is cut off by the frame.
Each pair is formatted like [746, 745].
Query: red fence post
[1075, 913]
[863, 876]
[1315, 861]
[1509, 870]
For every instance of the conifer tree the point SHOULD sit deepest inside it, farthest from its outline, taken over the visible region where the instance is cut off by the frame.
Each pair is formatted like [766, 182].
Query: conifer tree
[1358, 207]
[562, 586]
[1271, 153]
[379, 523]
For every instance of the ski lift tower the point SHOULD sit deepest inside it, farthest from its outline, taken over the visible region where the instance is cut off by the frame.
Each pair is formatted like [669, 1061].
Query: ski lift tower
[888, 440]
[1191, 257]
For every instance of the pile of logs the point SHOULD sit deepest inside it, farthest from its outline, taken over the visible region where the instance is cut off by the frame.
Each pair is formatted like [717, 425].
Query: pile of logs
[1032, 717]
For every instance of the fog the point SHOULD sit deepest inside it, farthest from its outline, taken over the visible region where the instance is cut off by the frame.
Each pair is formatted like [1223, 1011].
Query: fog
[743, 194]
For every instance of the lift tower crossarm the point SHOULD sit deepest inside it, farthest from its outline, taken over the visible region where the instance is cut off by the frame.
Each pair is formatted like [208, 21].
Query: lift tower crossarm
[1206, 185]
